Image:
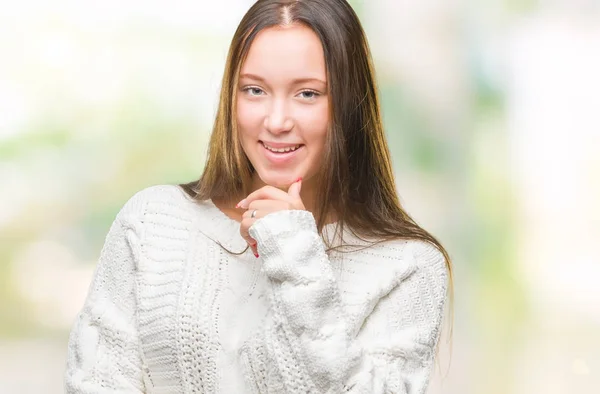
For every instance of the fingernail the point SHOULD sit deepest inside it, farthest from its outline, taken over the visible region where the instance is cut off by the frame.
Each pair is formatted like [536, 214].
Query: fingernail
[241, 204]
[256, 255]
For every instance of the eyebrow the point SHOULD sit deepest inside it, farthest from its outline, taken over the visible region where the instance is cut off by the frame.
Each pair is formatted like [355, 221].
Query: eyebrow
[295, 81]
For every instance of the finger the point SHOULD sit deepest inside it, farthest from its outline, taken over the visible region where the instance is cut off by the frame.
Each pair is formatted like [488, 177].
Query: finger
[262, 208]
[264, 193]
[265, 207]
[253, 246]
[248, 214]
[244, 226]
[294, 190]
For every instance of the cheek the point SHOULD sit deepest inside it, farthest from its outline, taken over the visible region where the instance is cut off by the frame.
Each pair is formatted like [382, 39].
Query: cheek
[315, 122]
[248, 118]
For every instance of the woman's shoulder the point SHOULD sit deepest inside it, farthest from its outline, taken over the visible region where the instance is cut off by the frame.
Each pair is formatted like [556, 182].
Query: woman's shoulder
[427, 254]
[168, 201]
[409, 255]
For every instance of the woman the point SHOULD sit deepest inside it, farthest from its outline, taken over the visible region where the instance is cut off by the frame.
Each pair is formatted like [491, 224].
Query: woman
[343, 291]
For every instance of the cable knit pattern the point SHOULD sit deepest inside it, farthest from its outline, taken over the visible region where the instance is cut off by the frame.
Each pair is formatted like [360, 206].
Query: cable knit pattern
[170, 311]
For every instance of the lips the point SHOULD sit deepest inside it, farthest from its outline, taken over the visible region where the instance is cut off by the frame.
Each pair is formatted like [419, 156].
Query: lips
[280, 153]
[280, 147]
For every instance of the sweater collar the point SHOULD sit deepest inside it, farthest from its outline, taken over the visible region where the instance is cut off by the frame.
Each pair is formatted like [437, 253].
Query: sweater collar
[217, 226]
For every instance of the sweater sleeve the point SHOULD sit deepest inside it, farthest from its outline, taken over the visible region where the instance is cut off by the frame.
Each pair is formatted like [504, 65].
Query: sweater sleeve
[103, 354]
[310, 339]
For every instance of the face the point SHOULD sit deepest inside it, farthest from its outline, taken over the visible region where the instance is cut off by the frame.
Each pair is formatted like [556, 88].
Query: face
[282, 104]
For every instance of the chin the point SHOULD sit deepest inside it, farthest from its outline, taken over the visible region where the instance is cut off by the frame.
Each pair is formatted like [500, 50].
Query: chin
[277, 180]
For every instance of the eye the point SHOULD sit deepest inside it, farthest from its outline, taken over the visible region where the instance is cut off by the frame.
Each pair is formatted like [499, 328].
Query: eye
[253, 91]
[309, 94]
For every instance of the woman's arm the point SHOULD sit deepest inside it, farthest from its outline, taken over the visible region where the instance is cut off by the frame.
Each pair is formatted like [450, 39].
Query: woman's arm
[103, 354]
[312, 342]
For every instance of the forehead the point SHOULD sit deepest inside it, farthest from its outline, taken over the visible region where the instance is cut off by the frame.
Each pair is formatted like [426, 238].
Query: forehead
[288, 52]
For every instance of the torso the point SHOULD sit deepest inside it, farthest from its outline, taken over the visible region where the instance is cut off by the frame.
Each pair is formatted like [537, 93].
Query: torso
[199, 305]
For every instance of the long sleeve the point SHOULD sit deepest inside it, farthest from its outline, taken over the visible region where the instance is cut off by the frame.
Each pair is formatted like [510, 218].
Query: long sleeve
[103, 353]
[312, 343]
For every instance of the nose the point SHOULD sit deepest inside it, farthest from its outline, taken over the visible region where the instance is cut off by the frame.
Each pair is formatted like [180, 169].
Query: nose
[278, 120]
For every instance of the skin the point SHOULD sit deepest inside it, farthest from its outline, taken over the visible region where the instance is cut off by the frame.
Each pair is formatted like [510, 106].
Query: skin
[282, 98]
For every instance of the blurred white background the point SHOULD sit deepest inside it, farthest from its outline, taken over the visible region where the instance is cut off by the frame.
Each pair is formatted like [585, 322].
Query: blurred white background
[493, 119]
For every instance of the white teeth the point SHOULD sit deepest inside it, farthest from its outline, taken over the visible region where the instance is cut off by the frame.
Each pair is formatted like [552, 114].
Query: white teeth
[281, 150]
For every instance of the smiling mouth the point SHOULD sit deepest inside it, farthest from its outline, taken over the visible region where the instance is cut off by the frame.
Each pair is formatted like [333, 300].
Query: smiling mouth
[281, 150]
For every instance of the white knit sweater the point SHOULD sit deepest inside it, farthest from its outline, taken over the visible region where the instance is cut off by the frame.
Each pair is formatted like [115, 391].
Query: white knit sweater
[170, 311]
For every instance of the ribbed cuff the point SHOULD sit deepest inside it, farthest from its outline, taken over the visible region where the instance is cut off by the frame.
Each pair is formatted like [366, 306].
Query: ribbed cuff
[267, 231]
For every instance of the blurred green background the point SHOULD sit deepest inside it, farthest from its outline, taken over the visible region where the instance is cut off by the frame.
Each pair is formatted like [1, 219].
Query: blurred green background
[493, 118]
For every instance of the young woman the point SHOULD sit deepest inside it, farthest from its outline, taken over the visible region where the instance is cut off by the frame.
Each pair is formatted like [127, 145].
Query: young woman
[290, 266]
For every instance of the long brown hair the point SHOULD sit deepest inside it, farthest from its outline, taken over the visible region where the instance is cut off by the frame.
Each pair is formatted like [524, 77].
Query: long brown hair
[357, 182]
